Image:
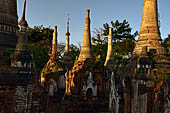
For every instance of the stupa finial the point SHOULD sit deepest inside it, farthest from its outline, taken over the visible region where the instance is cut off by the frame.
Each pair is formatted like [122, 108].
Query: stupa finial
[23, 21]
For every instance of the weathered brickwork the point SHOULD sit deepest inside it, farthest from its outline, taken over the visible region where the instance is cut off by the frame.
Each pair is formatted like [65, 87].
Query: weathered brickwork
[86, 51]
[7, 93]
[149, 34]
[8, 24]
[23, 99]
[143, 83]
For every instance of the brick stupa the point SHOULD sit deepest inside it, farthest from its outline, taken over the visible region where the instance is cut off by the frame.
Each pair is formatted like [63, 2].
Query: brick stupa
[109, 63]
[53, 65]
[67, 55]
[8, 24]
[149, 35]
[86, 50]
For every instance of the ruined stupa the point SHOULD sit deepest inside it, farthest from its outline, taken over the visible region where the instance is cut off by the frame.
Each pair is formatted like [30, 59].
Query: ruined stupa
[53, 65]
[86, 50]
[67, 59]
[149, 34]
[21, 56]
[8, 24]
[17, 78]
[85, 80]
[140, 85]
[109, 62]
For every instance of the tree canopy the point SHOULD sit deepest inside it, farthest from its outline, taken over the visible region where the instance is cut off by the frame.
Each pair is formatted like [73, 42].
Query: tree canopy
[167, 43]
[40, 39]
[123, 41]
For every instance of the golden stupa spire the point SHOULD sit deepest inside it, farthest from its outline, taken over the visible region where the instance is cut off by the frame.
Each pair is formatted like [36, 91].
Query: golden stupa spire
[67, 38]
[53, 65]
[109, 58]
[67, 55]
[23, 21]
[149, 35]
[86, 51]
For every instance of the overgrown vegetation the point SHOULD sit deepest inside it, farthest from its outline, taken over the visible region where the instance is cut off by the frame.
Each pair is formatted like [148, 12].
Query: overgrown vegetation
[6, 56]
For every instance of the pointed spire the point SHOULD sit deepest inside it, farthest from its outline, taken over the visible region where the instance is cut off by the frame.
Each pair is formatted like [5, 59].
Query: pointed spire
[149, 34]
[68, 26]
[109, 58]
[86, 51]
[67, 37]
[53, 65]
[21, 56]
[23, 21]
[22, 44]
[67, 55]
[54, 44]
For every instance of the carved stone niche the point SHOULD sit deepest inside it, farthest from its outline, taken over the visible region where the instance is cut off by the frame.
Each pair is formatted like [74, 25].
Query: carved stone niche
[90, 87]
[52, 87]
[167, 95]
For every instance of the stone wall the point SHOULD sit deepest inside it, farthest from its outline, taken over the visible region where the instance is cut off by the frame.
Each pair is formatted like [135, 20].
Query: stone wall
[23, 99]
[8, 12]
[8, 24]
[7, 98]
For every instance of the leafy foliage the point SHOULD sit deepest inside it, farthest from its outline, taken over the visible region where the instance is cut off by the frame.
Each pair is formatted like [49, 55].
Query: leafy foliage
[75, 51]
[167, 43]
[40, 41]
[40, 56]
[123, 41]
[39, 33]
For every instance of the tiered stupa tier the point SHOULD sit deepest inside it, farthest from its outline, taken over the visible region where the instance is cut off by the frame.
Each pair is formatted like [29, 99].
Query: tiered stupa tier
[67, 55]
[86, 50]
[149, 34]
[8, 24]
[21, 56]
[53, 64]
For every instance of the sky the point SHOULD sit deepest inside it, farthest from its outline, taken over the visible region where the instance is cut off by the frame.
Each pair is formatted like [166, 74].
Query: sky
[54, 12]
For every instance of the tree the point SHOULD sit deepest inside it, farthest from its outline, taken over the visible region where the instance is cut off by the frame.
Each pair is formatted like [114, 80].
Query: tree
[167, 43]
[40, 56]
[75, 51]
[39, 33]
[99, 45]
[123, 40]
[40, 41]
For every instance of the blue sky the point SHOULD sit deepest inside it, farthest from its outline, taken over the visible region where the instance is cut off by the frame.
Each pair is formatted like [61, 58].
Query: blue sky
[54, 12]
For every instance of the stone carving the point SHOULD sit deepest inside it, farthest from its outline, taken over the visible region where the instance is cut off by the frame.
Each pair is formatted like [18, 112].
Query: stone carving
[20, 100]
[90, 84]
[167, 109]
[114, 96]
[167, 95]
[52, 87]
[68, 83]
[61, 82]
[8, 19]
